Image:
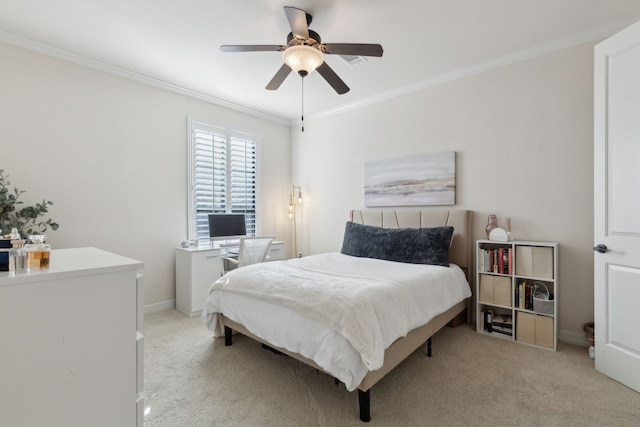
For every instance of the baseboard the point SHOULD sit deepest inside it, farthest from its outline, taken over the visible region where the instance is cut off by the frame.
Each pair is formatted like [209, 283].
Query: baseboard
[159, 306]
[573, 338]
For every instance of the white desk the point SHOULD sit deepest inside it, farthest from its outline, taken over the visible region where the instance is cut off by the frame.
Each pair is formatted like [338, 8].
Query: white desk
[198, 267]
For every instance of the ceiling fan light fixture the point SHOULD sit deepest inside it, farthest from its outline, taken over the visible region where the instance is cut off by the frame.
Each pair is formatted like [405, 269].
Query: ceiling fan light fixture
[302, 59]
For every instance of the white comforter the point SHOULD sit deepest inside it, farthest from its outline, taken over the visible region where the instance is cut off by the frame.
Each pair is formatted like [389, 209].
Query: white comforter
[368, 302]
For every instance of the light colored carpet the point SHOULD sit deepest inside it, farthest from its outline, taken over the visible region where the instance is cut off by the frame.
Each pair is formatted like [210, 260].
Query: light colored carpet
[192, 379]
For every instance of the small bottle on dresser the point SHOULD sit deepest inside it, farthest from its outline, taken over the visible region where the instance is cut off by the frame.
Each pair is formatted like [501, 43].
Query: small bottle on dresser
[17, 257]
[38, 253]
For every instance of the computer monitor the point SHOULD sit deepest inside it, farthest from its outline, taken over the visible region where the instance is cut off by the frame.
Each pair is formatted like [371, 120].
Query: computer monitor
[227, 226]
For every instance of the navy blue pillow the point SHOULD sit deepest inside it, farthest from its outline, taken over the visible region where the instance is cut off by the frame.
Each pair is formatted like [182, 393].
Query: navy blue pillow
[410, 245]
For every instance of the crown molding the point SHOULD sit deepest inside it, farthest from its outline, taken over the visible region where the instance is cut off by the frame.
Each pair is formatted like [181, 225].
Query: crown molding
[105, 67]
[589, 36]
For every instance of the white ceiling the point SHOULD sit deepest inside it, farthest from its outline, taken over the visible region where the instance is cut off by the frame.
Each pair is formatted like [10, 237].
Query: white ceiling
[176, 43]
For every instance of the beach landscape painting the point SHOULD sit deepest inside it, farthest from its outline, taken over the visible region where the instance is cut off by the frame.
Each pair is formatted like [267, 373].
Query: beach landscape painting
[413, 181]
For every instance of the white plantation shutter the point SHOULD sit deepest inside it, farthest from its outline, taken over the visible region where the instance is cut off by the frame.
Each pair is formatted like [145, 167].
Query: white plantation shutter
[223, 176]
[242, 180]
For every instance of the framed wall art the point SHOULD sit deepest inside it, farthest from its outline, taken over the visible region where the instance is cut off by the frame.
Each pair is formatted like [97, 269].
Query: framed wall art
[412, 181]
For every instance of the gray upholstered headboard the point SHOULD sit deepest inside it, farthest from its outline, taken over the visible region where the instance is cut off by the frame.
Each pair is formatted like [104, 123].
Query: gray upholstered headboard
[460, 219]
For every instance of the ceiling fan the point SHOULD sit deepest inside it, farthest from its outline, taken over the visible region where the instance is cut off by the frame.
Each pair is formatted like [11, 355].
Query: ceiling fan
[304, 52]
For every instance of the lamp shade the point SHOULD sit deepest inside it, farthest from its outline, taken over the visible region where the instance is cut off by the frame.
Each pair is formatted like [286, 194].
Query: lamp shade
[302, 58]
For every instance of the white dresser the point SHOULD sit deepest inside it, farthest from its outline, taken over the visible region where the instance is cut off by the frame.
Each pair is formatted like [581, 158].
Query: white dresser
[198, 267]
[71, 343]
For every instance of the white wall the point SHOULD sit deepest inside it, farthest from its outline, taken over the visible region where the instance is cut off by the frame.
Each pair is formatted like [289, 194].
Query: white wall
[112, 155]
[523, 135]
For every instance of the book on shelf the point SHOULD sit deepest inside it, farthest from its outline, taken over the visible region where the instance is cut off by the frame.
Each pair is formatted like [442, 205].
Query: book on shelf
[503, 325]
[520, 296]
[498, 260]
[486, 319]
[497, 323]
[500, 330]
[524, 295]
[505, 320]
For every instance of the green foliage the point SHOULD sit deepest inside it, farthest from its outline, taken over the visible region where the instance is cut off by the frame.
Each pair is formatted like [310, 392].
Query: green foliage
[26, 219]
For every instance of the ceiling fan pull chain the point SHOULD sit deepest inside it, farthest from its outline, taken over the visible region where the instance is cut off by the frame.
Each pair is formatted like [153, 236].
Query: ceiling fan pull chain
[302, 106]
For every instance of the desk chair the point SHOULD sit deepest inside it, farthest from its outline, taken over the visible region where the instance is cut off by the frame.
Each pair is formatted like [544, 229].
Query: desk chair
[252, 250]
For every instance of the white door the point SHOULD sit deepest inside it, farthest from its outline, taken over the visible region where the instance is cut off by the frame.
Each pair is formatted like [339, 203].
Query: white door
[617, 206]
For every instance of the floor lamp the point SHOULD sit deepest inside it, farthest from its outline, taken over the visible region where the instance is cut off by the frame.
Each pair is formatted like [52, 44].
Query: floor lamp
[293, 202]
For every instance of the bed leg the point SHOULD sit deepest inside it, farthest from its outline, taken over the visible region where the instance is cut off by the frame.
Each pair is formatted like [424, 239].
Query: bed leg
[227, 336]
[364, 398]
[429, 347]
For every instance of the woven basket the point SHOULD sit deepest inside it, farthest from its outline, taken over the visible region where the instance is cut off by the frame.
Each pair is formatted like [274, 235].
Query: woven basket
[588, 329]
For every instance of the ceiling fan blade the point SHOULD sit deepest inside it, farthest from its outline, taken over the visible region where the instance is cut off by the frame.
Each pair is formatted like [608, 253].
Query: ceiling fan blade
[277, 80]
[297, 21]
[252, 48]
[332, 78]
[356, 49]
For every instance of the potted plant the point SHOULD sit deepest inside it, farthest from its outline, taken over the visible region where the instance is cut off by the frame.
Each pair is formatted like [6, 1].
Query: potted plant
[26, 219]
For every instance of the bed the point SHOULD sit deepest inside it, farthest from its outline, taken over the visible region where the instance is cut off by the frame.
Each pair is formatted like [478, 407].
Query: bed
[355, 314]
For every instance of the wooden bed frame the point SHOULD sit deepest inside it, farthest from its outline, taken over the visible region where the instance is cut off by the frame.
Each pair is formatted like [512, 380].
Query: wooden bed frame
[460, 254]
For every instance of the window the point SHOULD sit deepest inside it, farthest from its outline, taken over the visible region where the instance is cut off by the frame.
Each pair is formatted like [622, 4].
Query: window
[222, 176]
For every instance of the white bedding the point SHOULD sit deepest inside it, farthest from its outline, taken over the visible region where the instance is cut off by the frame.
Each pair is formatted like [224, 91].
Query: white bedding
[340, 311]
